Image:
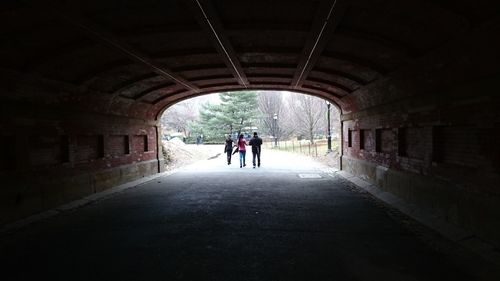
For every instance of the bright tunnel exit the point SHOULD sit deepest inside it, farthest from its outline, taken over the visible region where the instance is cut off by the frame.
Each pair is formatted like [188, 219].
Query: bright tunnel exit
[195, 129]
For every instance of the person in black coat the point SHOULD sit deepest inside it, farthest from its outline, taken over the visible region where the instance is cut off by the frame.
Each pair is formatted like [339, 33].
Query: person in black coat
[256, 144]
[228, 148]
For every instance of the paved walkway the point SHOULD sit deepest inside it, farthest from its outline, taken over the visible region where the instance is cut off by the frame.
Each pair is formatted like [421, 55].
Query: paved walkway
[288, 220]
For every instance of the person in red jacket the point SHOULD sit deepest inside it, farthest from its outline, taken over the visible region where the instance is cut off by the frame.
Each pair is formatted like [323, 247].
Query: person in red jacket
[242, 143]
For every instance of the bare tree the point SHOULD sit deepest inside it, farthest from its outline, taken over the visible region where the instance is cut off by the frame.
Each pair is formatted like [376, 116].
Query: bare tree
[273, 119]
[308, 114]
[177, 117]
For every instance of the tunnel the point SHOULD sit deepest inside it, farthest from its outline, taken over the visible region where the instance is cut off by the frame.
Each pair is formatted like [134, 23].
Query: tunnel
[84, 83]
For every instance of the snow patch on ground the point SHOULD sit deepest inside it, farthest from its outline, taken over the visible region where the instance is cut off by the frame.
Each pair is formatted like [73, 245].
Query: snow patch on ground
[179, 154]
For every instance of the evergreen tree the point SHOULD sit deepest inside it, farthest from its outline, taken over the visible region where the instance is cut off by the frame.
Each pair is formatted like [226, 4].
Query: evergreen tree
[236, 111]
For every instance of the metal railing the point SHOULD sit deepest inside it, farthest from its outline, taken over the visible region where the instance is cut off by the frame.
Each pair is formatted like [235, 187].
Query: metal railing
[305, 147]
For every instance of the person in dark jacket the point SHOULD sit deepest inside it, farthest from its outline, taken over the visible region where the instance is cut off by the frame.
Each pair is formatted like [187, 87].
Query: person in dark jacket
[256, 144]
[228, 148]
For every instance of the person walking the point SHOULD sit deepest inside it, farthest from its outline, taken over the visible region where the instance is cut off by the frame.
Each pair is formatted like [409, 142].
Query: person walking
[242, 149]
[256, 144]
[228, 148]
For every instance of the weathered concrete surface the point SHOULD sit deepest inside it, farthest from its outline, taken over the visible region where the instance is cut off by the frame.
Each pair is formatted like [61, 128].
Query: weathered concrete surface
[211, 221]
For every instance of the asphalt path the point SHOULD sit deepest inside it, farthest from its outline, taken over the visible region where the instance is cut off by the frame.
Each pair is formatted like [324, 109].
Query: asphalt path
[290, 219]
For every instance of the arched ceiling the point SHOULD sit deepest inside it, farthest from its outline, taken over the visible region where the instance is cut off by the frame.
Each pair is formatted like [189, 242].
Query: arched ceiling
[145, 55]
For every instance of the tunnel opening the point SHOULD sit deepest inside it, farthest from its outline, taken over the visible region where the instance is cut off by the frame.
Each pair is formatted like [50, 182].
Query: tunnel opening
[286, 121]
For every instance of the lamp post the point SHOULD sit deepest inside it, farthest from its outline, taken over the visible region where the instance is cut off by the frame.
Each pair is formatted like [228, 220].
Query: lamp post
[275, 117]
[329, 133]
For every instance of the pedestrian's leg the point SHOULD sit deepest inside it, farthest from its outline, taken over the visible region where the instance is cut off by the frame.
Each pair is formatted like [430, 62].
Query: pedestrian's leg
[229, 157]
[253, 158]
[241, 159]
[258, 158]
[244, 162]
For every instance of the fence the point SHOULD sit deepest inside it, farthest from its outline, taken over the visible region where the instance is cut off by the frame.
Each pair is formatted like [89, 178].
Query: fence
[318, 148]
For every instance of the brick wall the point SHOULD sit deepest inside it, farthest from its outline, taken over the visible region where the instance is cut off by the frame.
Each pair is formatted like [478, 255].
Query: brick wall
[430, 135]
[50, 159]
[79, 150]
[459, 145]
[118, 146]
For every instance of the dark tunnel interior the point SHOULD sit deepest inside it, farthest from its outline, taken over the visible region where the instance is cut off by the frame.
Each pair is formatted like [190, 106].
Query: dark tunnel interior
[415, 82]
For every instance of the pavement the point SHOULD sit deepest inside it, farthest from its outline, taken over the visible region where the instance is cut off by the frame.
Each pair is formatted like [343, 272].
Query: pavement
[290, 219]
